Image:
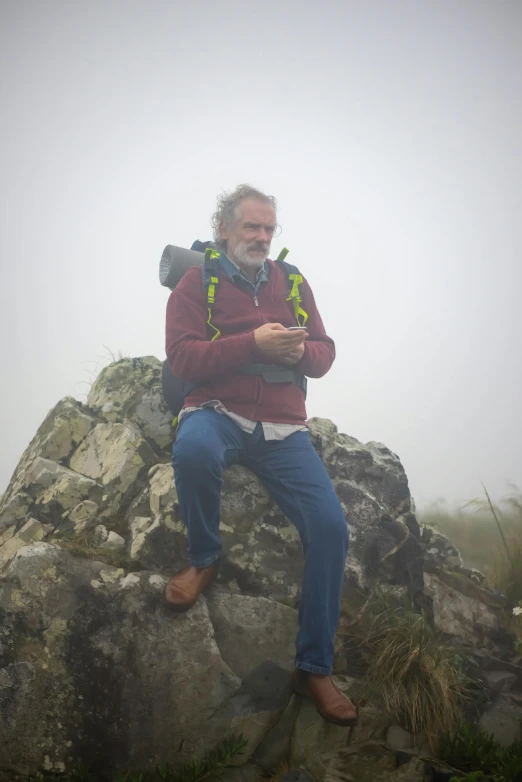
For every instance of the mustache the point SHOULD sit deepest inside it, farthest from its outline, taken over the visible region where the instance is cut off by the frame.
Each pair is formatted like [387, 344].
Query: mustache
[261, 246]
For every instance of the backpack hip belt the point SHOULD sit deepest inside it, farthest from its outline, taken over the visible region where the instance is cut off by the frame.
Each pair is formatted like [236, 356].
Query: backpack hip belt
[275, 373]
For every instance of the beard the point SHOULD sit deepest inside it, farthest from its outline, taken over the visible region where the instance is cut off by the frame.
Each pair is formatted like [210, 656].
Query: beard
[250, 254]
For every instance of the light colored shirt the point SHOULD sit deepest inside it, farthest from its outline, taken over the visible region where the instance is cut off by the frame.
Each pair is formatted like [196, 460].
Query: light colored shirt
[271, 431]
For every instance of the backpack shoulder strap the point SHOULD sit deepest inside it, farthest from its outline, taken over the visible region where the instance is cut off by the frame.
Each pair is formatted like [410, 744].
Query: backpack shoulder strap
[210, 278]
[295, 279]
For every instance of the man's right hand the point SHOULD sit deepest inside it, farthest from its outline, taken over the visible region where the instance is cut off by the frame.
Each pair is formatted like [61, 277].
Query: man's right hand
[276, 341]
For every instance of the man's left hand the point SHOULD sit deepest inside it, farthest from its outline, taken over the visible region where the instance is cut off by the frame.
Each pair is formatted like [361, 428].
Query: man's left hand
[295, 355]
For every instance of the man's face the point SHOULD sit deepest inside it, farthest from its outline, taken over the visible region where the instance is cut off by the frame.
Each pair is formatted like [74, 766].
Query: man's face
[249, 238]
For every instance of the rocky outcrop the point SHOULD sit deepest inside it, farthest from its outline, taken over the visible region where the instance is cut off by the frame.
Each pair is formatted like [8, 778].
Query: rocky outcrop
[93, 666]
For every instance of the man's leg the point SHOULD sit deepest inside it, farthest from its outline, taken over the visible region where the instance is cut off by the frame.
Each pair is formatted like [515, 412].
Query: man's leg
[206, 443]
[298, 481]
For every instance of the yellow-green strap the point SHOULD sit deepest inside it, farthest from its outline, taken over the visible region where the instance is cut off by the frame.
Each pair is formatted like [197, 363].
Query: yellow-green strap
[282, 255]
[211, 297]
[295, 297]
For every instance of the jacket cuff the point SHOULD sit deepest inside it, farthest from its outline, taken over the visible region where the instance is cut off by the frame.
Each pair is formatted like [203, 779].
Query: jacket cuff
[257, 354]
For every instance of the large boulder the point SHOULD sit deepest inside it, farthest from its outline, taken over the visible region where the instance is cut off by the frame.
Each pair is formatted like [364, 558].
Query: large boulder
[93, 666]
[96, 669]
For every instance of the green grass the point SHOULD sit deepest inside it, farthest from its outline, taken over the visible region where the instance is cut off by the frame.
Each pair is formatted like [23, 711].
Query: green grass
[477, 756]
[489, 537]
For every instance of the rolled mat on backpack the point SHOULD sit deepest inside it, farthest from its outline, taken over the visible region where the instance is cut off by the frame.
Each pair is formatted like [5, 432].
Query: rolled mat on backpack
[176, 261]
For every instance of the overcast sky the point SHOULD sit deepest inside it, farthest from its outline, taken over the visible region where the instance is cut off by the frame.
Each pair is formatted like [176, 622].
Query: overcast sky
[390, 133]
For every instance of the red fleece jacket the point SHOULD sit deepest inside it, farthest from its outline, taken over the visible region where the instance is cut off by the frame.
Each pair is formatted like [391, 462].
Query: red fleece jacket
[194, 358]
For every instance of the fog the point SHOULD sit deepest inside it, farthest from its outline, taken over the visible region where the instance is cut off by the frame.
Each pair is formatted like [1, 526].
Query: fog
[389, 134]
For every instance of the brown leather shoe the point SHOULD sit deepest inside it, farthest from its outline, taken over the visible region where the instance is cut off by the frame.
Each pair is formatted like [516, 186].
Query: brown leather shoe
[330, 702]
[183, 590]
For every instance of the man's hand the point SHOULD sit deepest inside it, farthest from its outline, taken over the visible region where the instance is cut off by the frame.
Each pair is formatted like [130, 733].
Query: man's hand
[295, 355]
[279, 343]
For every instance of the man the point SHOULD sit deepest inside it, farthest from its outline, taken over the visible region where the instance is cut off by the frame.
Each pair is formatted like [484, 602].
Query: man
[234, 417]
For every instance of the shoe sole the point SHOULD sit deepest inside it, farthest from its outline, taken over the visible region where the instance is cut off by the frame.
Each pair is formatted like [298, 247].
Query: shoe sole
[342, 723]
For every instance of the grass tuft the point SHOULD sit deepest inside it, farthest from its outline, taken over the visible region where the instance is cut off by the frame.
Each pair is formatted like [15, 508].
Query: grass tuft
[412, 669]
[82, 545]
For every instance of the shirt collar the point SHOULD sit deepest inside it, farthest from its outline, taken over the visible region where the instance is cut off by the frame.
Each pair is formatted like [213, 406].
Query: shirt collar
[232, 270]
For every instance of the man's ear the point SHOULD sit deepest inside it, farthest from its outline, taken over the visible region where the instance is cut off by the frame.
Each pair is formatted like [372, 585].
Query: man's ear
[224, 232]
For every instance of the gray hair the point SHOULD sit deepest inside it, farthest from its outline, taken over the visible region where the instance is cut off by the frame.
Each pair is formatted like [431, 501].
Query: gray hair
[227, 209]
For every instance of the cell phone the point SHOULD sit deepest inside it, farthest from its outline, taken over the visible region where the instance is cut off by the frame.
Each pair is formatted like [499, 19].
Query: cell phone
[297, 328]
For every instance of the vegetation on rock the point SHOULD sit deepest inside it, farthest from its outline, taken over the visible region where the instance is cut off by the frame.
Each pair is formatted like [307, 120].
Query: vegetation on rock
[210, 765]
[480, 757]
[412, 669]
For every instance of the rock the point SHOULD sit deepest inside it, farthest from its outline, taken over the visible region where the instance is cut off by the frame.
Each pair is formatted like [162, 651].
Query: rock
[61, 432]
[439, 548]
[398, 739]
[503, 720]
[316, 743]
[500, 681]
[413, 771]
[373, 763]
[274, 750]
[116, 456]
[14, 509]
[54, 490]
[82, 517]
[108, 540]
[131, 388]
[116, 668]
[373, 723]
[297, 775]
[157, 581]
[33, 530]
[247, 773]
[114, 541]
[101, 533]
[94, 668]
[313, 739]
[250, 630]
[465, 616]
[30, 532]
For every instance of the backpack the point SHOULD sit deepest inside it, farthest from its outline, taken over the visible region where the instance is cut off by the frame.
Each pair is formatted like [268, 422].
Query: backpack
[175, 390]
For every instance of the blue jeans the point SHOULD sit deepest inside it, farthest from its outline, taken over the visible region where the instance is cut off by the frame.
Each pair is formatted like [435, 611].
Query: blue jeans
[207, 443]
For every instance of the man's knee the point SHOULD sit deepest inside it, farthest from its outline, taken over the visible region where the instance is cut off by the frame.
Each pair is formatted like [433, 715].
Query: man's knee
[196, 451]
[334, 528]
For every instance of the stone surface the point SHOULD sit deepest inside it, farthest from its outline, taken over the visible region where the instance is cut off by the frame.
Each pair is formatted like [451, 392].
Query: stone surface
[94, 668]
[500, 681]
[372, 762]
[503, 720]
[131, 388]
[106, 671]
[82, 517]
[398, 739]
[247, 773]
[61, 432]
[466, 617]
[315, 741]
[116, 456]
[250, 630]
[274, 750]
[439, 548]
